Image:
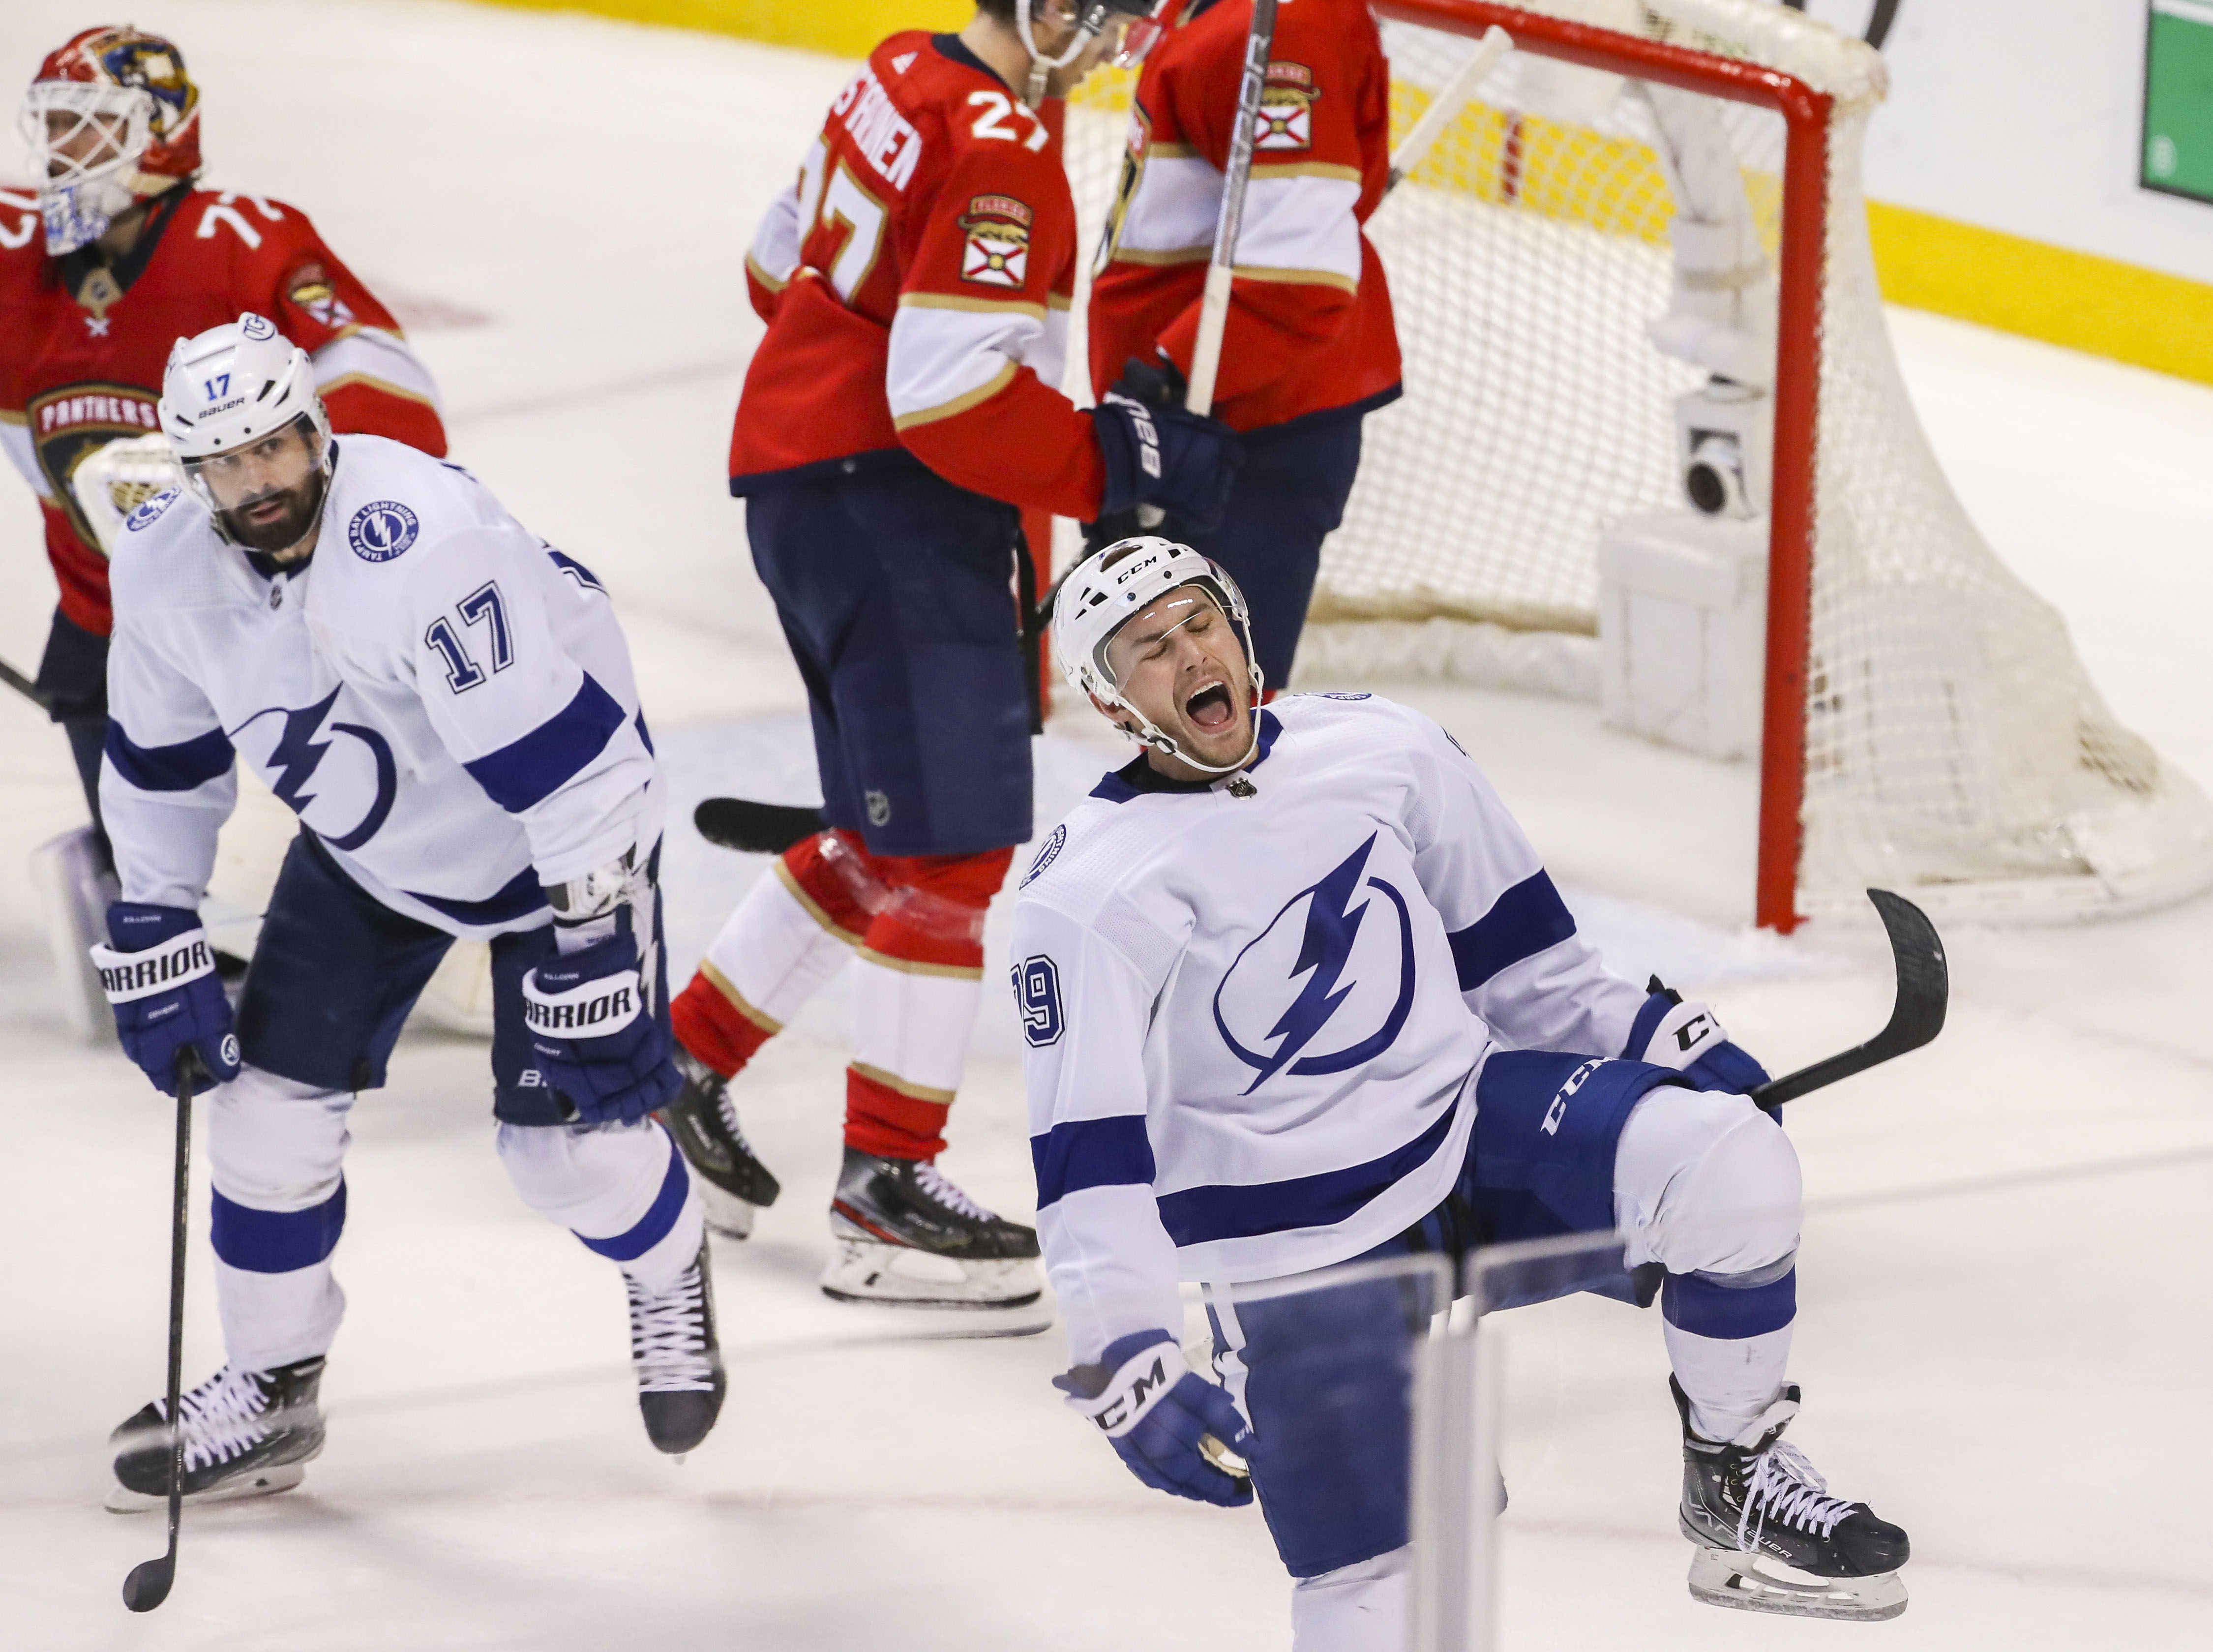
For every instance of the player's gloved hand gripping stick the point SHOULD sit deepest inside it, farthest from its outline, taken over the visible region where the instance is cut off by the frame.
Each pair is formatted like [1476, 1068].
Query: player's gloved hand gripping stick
[594, 1036]
[159, 978]
[1169, 1424]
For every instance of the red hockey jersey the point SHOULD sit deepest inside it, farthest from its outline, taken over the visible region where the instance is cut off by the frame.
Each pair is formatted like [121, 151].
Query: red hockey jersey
[82, 345]
[1309, 325]
[915, 280]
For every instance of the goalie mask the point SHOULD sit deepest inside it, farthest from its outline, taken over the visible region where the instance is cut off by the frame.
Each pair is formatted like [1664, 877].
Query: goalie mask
[1110, 587]
[112, 119]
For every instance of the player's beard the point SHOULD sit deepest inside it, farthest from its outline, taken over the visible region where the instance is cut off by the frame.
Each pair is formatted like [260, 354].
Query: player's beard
[302, 504]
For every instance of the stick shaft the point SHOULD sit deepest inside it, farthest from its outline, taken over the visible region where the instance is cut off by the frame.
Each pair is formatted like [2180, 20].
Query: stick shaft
[1214, 305]
[22, 685]
[180, 1205]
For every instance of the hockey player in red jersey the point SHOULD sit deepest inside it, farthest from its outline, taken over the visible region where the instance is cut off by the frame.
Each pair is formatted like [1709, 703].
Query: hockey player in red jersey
[114, 258]
[901, 414]
[1309, 348]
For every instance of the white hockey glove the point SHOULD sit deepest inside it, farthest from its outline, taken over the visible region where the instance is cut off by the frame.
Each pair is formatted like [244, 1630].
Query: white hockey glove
[1672, 1031]
[1170, 1427]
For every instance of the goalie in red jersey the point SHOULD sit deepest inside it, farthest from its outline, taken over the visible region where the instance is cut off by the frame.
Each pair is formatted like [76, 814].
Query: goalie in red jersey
[1309, 347]
[898, 417]
[114, 258]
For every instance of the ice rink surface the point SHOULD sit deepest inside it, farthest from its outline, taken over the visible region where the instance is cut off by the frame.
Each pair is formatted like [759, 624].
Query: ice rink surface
[2006, 1338]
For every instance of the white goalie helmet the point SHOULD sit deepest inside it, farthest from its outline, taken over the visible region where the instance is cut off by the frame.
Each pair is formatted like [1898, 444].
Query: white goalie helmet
[1112, 585]
[238, 383]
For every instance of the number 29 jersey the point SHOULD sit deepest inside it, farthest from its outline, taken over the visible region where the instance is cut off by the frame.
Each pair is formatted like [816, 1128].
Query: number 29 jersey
[917, 280]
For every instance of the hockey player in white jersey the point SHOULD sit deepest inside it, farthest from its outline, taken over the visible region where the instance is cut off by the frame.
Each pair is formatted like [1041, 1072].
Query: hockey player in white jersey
[1296, 991]
[447, 705]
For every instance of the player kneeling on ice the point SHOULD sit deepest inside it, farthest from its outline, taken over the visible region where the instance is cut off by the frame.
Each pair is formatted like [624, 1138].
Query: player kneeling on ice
[447, 704]
[1293, 983]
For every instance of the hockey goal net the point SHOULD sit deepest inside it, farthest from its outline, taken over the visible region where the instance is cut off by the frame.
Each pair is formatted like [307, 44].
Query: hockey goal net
[1642, 194]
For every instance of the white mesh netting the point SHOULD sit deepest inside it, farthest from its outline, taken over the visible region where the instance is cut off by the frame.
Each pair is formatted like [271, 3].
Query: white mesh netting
[1954, 746]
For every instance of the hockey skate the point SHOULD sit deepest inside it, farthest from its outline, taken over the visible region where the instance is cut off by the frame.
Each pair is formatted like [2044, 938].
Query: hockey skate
[247, 1434]
[679, 1362]
[907, 1237]
[1772, 1538]
[733, 1183]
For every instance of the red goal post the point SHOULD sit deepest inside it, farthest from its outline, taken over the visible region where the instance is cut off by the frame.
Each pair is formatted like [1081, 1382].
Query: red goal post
[1805, 113]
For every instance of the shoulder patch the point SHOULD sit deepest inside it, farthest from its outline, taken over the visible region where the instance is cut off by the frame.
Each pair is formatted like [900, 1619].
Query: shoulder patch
[997, 250]
[310, 288]
[1285, 121]
[150, 512]
[1046, 856]
[381, 531]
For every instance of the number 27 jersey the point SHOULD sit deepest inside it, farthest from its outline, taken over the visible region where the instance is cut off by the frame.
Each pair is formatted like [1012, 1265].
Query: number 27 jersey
[915, 280]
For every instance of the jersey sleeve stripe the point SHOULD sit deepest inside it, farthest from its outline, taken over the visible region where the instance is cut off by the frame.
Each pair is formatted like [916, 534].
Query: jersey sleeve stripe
[1080, 1153]
[526, 773]
[276, 1241]
[775, 284]
[957, 301]
[519, 897]
[960, 404]
[1306, 169]
[1523, 922]
[181, 767]
[1200, 1215]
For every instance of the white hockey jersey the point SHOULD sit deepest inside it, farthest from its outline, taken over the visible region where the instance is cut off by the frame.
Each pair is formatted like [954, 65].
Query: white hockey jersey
[442, 697]
[1254, 1022]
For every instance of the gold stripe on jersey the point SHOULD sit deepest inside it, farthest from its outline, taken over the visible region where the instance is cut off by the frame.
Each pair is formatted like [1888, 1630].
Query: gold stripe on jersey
[961, 302]
[960, 404]
[774, 284]
[1295, 277]
[370, 381]
[1306, 169]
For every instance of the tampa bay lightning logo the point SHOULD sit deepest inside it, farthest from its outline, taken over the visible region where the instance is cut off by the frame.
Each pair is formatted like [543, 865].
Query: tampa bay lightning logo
[381, 531]
[298, 754]
[1046, 856]
[1344, 958]
[150, 512]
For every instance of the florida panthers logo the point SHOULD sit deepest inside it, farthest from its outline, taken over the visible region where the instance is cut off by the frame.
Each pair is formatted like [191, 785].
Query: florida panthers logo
[1339, 956]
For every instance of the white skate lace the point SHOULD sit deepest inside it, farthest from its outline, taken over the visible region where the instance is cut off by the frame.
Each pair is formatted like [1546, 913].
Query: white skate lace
[223, 1417]
[1785, 1485]
[729, 1109]
[932, 1182]
[668, 1338]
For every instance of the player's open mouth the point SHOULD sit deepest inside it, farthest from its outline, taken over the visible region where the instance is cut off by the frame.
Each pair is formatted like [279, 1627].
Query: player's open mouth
[1210, 709]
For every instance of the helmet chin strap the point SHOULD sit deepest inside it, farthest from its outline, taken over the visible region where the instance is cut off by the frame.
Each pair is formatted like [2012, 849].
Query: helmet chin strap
[1090, 19]
[1147, 734]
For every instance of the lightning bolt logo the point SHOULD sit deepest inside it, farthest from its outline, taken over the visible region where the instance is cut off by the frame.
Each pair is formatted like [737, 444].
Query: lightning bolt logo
[297, 754]
[1333, 924]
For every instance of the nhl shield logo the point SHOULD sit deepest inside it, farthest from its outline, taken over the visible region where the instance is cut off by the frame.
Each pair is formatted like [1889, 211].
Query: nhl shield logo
[381, 531]
[997, 251]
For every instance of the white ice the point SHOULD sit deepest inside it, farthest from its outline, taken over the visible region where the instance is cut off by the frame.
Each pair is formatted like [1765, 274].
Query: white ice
[2005, 1339]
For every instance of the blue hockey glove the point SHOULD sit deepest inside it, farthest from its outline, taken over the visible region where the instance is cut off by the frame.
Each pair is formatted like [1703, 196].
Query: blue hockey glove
[159, 975]
[1164, 456]
[1160, 1418]
[602, 1053]
[1673, 1032]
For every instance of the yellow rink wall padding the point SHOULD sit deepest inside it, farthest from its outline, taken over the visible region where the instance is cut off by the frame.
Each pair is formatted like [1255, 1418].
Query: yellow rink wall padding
[2080, 300]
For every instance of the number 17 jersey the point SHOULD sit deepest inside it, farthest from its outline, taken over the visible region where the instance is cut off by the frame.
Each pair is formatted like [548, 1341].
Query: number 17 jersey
[915, 279]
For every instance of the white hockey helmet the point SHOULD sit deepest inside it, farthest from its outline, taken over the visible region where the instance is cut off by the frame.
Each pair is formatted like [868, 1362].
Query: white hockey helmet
[239, 383]
[1112, 585]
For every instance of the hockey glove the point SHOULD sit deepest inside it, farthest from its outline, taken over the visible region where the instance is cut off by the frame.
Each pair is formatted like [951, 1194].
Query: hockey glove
[1166, 457]
[159, 978]
[1158, 1417]
[1670, 1031]
[605, 1056]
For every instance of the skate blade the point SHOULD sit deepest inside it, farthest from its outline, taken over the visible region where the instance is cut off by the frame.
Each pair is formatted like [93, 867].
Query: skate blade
[262, 1482]
[726, 1213]
[877, 1274]
[1742, 1582]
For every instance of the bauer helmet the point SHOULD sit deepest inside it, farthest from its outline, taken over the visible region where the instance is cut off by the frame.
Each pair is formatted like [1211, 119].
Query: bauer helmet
[130, 87]
[1112, 585]
[235, 384]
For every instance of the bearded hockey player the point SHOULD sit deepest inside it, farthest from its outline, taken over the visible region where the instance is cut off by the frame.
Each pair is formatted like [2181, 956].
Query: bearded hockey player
[1293, 983]
[447, 704]
[898, 417]
[1309, 347]
[116, 257]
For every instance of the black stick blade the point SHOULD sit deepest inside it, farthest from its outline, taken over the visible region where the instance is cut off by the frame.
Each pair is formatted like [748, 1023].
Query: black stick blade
[1924, 988]
[754, 828]
[148, 1585]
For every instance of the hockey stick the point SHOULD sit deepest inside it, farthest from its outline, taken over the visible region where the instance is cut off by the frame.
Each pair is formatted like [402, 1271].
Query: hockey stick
[1214, 303]
[148, 1585]
[23, 686]
[754, 828]
[1917, 1015]
[1450, 100]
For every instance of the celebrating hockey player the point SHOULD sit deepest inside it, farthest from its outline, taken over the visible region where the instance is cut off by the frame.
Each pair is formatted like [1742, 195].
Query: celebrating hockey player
[898, 417]
[447, 704]
[1308, 348]
[1297, 991]
[132, 256]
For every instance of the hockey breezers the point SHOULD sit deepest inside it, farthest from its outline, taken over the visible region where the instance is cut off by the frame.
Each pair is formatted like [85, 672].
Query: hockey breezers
[149, 1582]
[1924, 989]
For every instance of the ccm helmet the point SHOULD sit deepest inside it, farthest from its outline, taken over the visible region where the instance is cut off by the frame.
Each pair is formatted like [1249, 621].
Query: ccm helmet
[1111, 587]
